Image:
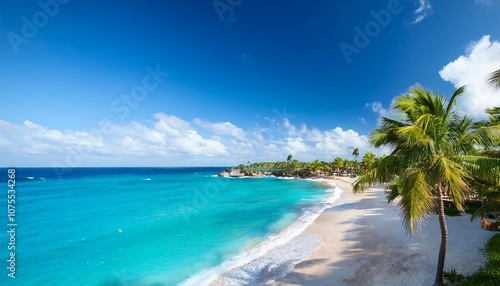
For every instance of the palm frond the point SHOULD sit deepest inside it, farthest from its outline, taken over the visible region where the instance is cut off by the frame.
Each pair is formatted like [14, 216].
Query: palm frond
[381, 171]
[481, 167]
[416, 200]
[453, 100]
[485, 137]
[455, 177]
[494, 79]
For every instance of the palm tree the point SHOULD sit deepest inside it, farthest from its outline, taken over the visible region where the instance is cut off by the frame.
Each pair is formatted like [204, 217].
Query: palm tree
[355, 153]
[337, 163]
[494, 78]
[289, 157]
[434, 155]
[316, 165]
[347, 165]
[369, 159]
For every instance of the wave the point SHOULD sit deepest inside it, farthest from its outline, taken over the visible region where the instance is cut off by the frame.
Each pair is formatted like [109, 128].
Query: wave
[273, 258]
[287, 178]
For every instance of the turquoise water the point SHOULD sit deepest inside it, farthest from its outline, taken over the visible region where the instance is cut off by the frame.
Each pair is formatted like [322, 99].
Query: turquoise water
[141, 226]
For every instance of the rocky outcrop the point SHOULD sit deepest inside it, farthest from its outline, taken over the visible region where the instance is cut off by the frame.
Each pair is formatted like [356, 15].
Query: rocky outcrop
[236, 173]
[232, 173]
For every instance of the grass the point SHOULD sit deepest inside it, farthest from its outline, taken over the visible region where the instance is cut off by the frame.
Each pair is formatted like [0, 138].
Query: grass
[453, 277]
[489, 275]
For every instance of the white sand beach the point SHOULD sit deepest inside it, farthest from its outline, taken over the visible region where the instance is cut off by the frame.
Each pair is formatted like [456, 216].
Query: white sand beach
[364, 243]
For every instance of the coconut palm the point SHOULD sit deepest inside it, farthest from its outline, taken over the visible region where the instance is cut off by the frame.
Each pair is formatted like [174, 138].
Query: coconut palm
[494, 78]
[337, 164]
[316, 165]
[355, 153]
[369, 159]
[434, 155]
[347, 164]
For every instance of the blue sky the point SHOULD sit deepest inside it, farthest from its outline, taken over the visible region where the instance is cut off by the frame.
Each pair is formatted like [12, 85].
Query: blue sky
[178, 83]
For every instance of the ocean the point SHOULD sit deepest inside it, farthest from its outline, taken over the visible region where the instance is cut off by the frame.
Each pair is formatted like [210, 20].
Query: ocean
[145, 226]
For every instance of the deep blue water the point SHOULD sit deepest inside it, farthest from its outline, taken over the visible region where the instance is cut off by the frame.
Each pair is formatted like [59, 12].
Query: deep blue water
[139, 226]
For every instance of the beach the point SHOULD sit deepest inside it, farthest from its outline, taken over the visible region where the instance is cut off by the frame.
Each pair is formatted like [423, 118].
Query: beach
[363, 243]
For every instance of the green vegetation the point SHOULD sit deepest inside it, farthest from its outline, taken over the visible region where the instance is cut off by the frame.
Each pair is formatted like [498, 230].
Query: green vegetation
[451, 210]
[316, 168]
[489, 275]
[437, 154]
[453, 277]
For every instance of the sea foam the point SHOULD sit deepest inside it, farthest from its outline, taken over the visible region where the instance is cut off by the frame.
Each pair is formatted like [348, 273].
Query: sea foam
[274, 258]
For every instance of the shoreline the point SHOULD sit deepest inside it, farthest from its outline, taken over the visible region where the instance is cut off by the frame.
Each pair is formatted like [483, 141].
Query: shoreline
[364, 243]
[352, 239]
[276, 256]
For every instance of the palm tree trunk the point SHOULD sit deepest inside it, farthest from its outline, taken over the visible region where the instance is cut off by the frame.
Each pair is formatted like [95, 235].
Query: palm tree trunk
[444, 240]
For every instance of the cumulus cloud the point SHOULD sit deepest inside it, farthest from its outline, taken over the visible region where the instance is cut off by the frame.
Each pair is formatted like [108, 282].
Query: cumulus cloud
[292, 130]
[472, 69]
[221, 128]
[167, 140]
[423, 10]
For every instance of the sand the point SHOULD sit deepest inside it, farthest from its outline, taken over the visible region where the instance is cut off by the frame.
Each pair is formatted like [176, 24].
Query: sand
[363, 243]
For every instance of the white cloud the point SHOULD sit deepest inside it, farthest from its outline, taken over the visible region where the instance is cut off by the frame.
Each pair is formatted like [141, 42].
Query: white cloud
[221, 128]
[424, 9]
[168, 140]
[378, 108]
[292, 130]
[295, 146]
[472, 69]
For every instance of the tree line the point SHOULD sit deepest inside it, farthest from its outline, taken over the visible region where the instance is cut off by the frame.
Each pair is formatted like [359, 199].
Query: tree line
[295, 168]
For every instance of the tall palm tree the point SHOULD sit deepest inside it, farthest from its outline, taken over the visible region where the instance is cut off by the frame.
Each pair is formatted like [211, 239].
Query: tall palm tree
[355, 153]
[494, 78]
[434, 155]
